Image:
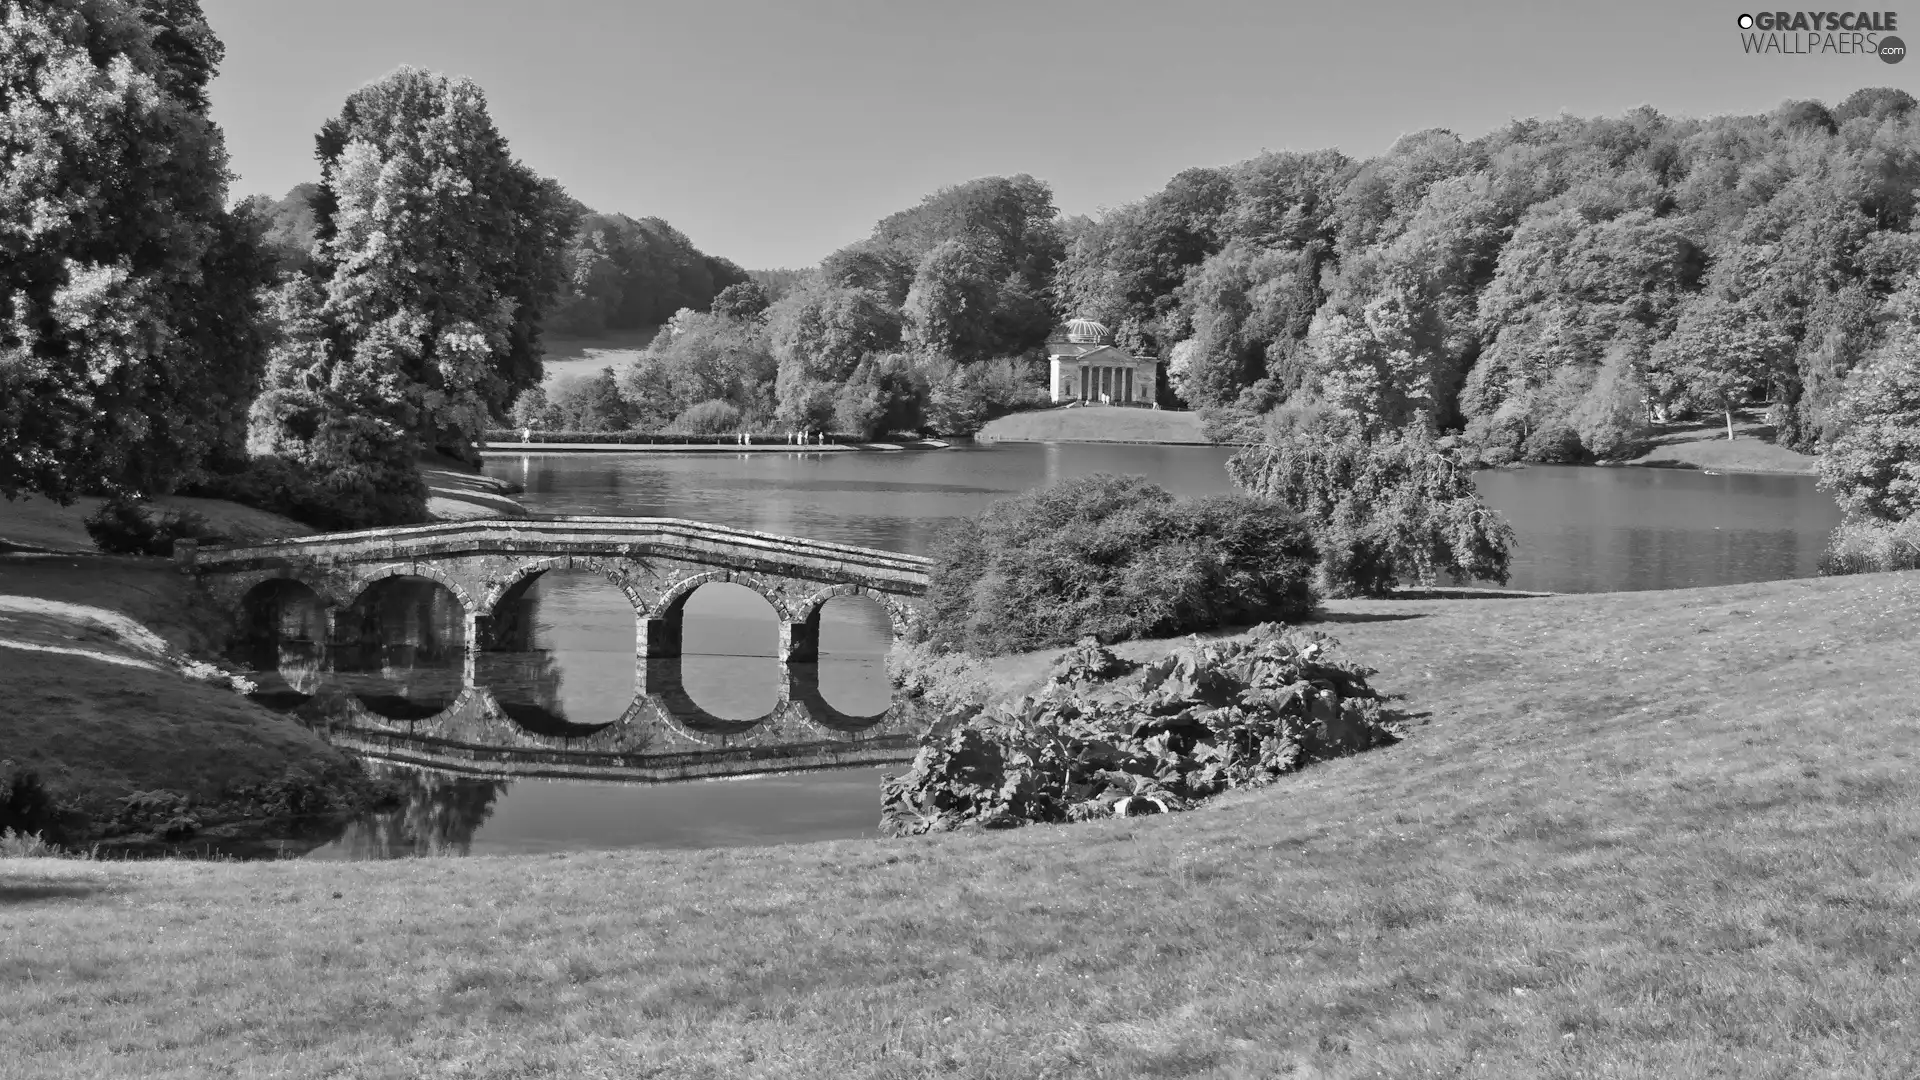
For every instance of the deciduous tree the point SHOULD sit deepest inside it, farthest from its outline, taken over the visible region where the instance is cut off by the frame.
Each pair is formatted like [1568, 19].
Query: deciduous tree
[128, 348]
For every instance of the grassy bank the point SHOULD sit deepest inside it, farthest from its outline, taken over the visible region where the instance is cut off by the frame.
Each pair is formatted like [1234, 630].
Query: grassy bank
[1633, 835]
[1096, 423]
[564, 357]
[104, 703]
[1703, 444]
[37, 524]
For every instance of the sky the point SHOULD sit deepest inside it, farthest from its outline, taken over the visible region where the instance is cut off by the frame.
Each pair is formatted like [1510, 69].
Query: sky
[775, 132]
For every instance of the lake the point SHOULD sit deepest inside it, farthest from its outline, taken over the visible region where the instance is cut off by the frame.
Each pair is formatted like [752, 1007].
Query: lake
[572, 669]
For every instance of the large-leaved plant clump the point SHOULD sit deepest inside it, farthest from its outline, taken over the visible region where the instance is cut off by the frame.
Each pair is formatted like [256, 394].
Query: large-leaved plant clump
[1109, 738]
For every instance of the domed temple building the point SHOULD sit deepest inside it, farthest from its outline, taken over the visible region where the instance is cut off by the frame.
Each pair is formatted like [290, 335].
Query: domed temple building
[1087, 366]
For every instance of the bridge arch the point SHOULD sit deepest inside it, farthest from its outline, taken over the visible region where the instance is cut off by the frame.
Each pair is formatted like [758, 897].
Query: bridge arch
[674, 601]
[808, 611]
[367, 579]
[523, 573]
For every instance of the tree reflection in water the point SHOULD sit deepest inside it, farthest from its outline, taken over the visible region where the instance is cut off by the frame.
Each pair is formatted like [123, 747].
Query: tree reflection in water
[524, 678]
[401, 647]
[439, 815]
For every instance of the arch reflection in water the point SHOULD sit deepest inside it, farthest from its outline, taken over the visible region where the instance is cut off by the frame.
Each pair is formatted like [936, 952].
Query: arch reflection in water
[559, 653]
[282, 640]
[401, 648]
[855, 634]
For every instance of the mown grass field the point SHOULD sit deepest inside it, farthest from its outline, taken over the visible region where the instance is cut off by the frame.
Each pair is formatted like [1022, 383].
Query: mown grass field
[566, 357]
[1096, 423]
[1631, 835]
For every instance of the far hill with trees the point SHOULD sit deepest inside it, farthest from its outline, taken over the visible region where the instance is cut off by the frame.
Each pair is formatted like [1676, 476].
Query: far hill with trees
[1537, 293]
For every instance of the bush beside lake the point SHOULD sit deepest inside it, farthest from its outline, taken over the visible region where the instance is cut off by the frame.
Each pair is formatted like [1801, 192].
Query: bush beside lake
[1114, 558]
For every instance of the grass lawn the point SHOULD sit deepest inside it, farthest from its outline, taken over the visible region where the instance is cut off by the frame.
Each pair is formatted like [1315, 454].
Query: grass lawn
[1703, 444]
[1631, 835]
[35, 523]
[94, 701]
[1096, 423]
[569, 356]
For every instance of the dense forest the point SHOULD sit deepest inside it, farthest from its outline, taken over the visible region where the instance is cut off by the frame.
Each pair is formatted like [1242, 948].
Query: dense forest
[1532, 287]
[1541, 292]
[1544, 290]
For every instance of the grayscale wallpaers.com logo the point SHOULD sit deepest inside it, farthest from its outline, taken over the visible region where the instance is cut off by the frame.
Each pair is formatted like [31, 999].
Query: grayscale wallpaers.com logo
[1855, 33]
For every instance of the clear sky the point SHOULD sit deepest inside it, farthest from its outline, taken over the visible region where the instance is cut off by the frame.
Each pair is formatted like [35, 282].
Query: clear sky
[774, 131]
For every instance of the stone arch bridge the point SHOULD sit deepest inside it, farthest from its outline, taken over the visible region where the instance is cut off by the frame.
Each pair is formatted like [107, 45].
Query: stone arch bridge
[656, 562]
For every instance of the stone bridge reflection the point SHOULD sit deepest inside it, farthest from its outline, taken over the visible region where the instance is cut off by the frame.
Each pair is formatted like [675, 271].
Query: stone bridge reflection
[663, 734]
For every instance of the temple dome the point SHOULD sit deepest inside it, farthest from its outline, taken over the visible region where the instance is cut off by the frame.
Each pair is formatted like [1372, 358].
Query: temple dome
[1086, 332]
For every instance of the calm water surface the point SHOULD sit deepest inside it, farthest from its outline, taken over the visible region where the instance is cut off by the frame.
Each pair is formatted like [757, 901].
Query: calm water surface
[1579, 530]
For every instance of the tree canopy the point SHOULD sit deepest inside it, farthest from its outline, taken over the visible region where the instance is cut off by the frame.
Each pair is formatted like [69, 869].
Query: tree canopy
[129, 339]
[436, 256]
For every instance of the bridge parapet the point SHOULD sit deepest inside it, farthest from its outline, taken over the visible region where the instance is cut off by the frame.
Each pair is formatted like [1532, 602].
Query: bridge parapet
[656, 562]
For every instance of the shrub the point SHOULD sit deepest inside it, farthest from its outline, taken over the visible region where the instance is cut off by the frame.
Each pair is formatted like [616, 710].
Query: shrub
[964, 397]
[1499, 437]
[1611, 420]
[25, 806]
[125, 527]
[951, 682]
[884, 393]
[1867, 546]
[348, 498]
[1115, 558]
[1101, 741]
[1229, 424]
[708, 418]
[1553, 443]
[1397, 509]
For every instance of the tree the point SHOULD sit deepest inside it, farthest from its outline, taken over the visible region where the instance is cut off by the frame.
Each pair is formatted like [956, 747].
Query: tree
[1722, 351]
[1875, 103]
[884, 393]
[1873, 467]
[1611, 421]
[624, 273]
[702, 357]
[290, 227]
[128, 340]
[949, 309]
[742, 300]
[438, 254]
[825, 330]
[1396, 508]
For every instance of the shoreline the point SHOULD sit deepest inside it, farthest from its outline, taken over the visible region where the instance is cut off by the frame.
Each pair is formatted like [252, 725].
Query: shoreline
[514, 449]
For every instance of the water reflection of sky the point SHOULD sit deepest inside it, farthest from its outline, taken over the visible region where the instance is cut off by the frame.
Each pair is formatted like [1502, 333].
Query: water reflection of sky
[1580, 529]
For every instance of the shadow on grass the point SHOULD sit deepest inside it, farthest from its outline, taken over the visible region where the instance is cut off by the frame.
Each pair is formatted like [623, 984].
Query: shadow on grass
[28, 892]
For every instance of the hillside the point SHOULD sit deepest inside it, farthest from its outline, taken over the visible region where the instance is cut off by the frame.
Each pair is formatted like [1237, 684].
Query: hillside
[1684, 846]
[106, 703]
